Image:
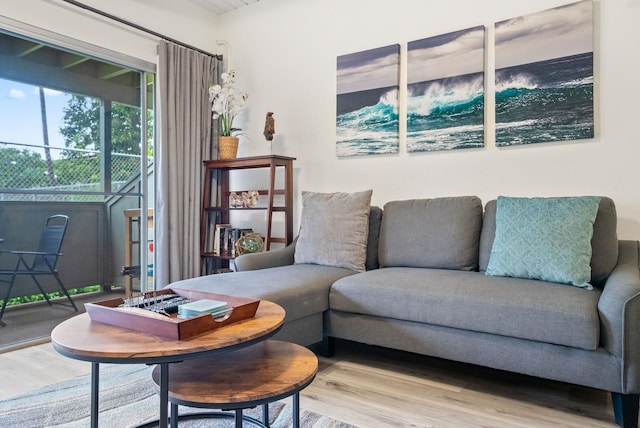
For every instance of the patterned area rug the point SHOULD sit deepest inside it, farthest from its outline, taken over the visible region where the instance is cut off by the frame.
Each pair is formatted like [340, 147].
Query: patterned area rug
[127, 399]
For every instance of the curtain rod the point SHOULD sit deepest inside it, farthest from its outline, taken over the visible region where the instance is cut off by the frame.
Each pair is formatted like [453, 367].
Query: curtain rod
[138, 27]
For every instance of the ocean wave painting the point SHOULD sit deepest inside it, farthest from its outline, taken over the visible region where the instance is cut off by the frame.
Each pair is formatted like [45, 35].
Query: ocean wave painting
[367, 102]
[445, 99]
[544, 76]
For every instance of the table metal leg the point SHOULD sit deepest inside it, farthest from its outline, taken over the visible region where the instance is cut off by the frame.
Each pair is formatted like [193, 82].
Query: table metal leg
[265, 415]
[238, 418]
[164, 395]
[296, 410]
[174, 415]
[95, 388]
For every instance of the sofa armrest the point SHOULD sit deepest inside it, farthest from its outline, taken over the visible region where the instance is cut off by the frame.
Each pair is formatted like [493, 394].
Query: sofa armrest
[267, 259]
[619, 308]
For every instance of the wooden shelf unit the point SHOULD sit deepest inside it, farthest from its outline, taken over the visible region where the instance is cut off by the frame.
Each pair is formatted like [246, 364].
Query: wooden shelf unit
[219, 169]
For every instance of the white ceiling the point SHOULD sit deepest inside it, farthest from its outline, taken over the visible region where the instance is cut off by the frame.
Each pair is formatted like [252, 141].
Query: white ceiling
[222, 6]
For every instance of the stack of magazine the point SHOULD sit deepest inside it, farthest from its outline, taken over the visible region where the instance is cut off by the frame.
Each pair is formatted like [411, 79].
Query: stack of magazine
[216, 308]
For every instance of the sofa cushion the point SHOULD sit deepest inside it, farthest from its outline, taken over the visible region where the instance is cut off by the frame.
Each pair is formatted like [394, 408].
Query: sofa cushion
[302, 290]
[431, 233]
[544, 238]
[604, 243]
[334, 229]
[547, 312]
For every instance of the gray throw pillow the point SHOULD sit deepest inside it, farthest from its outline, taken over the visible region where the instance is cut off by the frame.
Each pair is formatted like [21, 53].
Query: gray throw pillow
[334, 229]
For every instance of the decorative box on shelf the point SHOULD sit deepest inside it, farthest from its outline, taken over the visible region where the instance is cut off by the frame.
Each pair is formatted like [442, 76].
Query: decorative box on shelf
[114, 312]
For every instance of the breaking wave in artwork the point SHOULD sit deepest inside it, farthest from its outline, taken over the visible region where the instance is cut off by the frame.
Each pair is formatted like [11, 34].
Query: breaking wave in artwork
[446, 113]
[545, 101]
[368, 129]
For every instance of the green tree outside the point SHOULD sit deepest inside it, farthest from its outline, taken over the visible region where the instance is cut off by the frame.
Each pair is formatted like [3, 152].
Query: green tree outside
[80, 128]
[19, 168]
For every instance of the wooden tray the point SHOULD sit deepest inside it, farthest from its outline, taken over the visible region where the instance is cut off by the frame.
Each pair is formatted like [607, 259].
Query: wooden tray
[109, 312]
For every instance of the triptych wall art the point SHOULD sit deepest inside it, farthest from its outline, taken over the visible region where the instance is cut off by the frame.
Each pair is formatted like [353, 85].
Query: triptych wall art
[543, 87]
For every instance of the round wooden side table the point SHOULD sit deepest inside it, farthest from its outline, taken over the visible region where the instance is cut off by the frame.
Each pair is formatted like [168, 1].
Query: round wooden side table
[249, 377]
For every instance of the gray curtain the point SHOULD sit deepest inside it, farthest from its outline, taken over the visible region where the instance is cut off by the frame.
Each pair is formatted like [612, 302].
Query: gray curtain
[184, 141]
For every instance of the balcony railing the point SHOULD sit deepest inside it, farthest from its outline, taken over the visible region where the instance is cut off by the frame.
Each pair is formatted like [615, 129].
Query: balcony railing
[40, 173]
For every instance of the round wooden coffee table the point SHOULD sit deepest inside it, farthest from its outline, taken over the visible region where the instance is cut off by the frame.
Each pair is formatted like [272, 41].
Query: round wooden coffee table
[81, 338]
[252, 376]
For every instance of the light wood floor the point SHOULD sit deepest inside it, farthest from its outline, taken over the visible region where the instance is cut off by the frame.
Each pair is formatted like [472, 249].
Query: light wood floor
[376, 388]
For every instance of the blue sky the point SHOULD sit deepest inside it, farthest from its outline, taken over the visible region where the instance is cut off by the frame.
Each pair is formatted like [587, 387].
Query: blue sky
[20, 120]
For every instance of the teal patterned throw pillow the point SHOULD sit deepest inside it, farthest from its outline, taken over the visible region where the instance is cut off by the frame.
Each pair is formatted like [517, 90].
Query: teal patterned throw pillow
[544, 238]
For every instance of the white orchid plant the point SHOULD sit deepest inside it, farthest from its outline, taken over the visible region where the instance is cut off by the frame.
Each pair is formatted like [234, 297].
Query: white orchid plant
[226, 102]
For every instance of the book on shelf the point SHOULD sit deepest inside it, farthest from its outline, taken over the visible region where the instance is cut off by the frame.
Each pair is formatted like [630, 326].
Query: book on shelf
[209, 242]
[218, 238]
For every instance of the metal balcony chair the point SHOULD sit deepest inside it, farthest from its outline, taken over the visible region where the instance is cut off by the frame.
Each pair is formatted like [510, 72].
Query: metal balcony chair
[43, 261]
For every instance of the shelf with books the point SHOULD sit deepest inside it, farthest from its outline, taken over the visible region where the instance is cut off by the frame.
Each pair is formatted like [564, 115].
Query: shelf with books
[217, 209]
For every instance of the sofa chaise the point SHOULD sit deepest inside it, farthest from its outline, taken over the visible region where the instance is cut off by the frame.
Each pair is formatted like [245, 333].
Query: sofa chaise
[435, 277]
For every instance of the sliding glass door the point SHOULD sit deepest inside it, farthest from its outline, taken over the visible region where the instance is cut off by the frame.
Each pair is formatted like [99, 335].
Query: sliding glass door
[76, 138]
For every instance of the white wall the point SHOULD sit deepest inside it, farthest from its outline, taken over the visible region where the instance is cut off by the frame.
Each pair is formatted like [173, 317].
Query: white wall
[284, 52]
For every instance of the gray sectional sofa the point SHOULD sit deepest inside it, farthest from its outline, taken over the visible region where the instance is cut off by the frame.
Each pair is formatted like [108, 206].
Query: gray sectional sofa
[426, 290]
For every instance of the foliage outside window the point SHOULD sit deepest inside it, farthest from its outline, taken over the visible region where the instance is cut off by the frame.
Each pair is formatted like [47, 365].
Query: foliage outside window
[78, 167]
